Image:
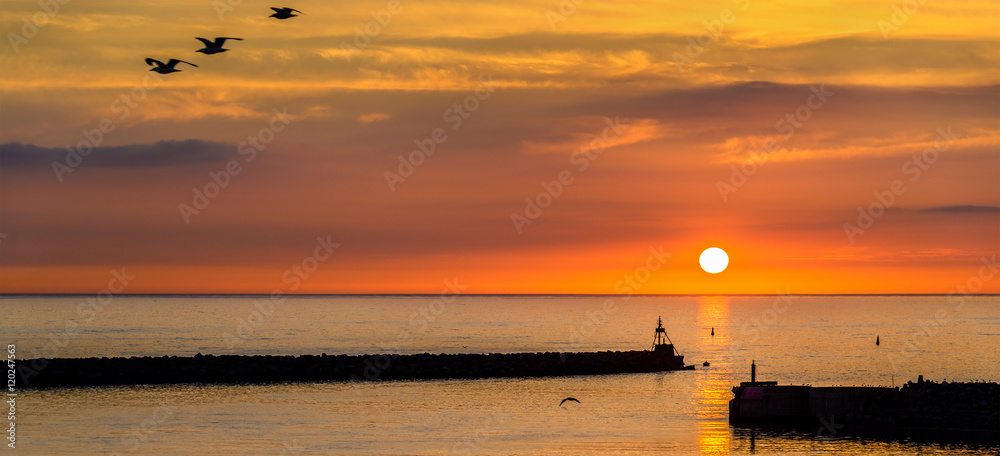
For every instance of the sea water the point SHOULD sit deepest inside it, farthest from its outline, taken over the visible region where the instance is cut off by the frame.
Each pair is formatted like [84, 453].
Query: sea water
[818, 340]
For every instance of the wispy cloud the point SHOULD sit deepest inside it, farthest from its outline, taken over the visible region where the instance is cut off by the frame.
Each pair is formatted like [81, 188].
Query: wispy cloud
[577, 134]
[375, 117]
[965, 209]
[161, 153]
[740, 149]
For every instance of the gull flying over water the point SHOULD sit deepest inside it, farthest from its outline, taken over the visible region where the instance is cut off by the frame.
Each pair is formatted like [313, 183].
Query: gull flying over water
[168, 67]
[570, 399]
[215, 47]
[284, 13]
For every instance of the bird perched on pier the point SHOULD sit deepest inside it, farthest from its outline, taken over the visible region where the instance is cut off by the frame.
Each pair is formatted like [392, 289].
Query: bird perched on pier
[569, 399]
[168, 67]
[216, 46]
[284, 13]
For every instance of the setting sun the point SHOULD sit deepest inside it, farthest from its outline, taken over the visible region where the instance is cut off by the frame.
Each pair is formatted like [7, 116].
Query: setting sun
[714, 260]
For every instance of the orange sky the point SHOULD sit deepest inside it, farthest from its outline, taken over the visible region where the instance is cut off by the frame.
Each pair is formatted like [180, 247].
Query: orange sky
[826, 105]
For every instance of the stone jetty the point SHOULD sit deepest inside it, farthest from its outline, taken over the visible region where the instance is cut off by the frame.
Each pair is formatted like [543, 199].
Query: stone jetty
[933, 405]
[67, 372]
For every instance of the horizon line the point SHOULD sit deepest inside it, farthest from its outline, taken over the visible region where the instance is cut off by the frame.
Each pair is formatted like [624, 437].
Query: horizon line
[5, 295]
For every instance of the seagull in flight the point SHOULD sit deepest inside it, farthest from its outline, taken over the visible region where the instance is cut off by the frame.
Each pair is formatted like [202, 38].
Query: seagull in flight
[168, 67]
[570, 399]
[284, 13]
[216, 47]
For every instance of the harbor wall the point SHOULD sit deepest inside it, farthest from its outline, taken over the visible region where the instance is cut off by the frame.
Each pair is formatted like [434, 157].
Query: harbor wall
[915, 405]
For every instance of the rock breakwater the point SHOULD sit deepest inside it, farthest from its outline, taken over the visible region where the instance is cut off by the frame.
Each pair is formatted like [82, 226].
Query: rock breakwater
[68, 372]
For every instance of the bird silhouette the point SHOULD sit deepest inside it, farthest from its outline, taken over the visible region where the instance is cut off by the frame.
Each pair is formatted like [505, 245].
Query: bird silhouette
[876, 341]
[284, 13]
[216, 46]
[570, 399]
[168, 67]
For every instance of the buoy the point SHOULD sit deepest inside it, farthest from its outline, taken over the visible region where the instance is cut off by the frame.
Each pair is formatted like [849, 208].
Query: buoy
[876, 341]
[713, 331]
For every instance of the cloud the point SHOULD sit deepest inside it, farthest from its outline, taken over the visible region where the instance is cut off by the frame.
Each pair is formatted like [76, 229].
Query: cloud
[861, 254]
[369, 118]
[597, 132]
[161, 153]
[738, 150]
[965, 209]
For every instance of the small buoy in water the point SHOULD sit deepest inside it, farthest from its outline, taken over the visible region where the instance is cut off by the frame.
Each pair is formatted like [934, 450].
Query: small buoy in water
[713, 331]
[705, 364]
[876, 341]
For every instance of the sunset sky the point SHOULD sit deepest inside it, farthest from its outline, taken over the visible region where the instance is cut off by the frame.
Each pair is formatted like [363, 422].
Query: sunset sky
[644, 109]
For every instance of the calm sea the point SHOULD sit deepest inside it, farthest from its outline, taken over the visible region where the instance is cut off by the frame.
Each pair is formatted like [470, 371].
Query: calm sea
[819, 340]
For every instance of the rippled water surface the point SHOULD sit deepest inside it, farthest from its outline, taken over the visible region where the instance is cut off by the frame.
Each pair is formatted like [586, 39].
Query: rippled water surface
[820, 340]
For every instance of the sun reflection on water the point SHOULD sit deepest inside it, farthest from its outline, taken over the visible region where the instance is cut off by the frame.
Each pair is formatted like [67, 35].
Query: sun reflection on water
[713, 384]
[713, 437]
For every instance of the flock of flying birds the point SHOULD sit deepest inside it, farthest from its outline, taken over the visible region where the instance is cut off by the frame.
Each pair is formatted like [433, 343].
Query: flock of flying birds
[213, 47]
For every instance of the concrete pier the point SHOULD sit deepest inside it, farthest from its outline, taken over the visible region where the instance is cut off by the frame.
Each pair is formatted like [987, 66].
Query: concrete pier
[769, 402]
[920, 405]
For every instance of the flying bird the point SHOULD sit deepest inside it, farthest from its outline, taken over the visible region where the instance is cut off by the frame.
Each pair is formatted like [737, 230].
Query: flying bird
[215, 47]
[168, 67]
[570, 399]
[284, 13]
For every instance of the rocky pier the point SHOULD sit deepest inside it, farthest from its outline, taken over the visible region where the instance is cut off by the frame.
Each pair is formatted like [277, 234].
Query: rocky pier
[236, 369]
[927, 404]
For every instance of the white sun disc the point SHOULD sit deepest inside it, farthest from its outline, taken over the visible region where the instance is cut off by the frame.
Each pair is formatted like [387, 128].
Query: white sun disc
[714, 260]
